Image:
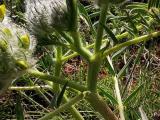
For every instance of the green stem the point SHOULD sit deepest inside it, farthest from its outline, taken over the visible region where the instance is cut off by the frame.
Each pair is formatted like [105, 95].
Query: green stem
[93, 70]
[73, 110]
[119, 37]
[43, 76]
[57, 88]
[131, 42]
[29, 87]
[73, 10]
[102, 20]
[79, 47]
[100, 106]
[58, 64]
[93, 98]
[77, 44]
[63, 107]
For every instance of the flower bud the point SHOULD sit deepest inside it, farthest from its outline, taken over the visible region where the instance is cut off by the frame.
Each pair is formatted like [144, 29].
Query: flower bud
[2, 12]
[23, 65]
[25, 41]
[7, 32]
[3, 45]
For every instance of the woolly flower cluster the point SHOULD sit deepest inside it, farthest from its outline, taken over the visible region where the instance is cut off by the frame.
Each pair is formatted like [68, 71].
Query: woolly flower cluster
[45, 16]
[16, 48]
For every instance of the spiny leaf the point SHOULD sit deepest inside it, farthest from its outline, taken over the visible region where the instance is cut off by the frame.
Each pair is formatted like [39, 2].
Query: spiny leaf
[60, 97]
[115, 55]
[137, 5]
[110, 33]
[155, 15]
[132, 24]
[132, 95]
[53, 101]
[134, 66]
[153, 3]
[94, 14]
[125, 67]
[109, 96]
[128, 29]
[144, 22]
[139, 10]
[85, 15]
[110, 66]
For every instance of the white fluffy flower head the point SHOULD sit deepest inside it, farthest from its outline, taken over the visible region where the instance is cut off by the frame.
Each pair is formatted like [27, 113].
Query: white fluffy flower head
[16, 48]
[46, 16]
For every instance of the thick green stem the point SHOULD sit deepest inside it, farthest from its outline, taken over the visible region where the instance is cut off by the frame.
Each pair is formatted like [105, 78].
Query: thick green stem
[63, 107]
[93, 70]
[100, 106]
[93, 98]
[43, 76]
[102, 20]
[131, 42]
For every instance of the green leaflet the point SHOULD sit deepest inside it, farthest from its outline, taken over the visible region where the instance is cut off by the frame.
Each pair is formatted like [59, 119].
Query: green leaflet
[153, 3]
[60, 97]
[122, 71]
[111, 34]
[108, 96]
[133, 94]
[85, 15]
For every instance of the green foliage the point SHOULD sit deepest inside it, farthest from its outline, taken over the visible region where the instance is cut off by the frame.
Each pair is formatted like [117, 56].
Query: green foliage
[60, 97]
[153, 3]
[102, 71]
[133, 94]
